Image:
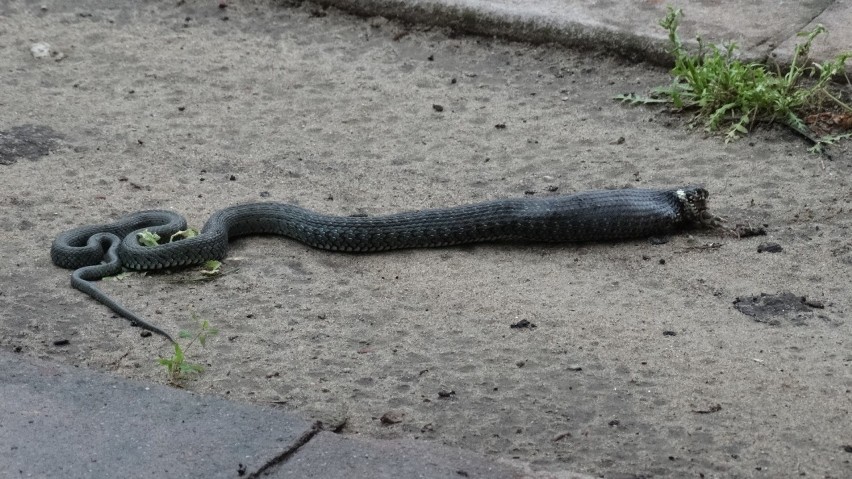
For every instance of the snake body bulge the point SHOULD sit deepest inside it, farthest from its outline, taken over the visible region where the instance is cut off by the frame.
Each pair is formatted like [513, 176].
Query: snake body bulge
[589, 216]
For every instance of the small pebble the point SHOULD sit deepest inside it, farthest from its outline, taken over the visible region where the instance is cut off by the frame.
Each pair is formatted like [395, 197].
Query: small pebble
[769, 248]
[444, 394]
[40, 50]
[391, 417]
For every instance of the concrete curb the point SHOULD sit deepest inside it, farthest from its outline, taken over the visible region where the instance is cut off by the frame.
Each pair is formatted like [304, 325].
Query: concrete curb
[528, 26]
[763, 33]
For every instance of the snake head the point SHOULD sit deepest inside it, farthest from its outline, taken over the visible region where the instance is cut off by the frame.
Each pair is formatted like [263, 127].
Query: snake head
[693, 199]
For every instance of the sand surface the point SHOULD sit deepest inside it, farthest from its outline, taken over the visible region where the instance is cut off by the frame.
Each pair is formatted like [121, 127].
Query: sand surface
[640, 363]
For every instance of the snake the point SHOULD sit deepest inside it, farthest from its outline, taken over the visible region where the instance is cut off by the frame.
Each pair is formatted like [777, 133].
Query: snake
[98, 251]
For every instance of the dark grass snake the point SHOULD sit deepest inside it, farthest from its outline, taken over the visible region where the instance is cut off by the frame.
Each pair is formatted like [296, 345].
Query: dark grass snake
[97, 251]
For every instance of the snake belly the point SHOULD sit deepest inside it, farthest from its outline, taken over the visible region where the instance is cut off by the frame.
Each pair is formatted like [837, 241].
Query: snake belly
[600, 215]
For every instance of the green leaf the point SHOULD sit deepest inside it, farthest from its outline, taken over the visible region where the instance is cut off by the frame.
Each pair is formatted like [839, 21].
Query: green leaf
[822, 142]
[183, 234]
[178, 357]
[191, 368]
[740, 126]
[147, 238]
[184, 334]
[211, 267]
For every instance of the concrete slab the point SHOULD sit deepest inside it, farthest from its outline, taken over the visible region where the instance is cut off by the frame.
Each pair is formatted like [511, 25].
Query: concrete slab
[57, 421]
[628, 28]
[330, 456]
[836, 19]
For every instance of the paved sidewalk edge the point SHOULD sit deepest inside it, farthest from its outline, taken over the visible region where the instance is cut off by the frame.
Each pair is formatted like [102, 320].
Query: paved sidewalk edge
[535, 29]
[59, 420]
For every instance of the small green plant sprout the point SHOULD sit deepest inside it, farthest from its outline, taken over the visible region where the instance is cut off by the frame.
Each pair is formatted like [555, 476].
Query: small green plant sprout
[727, 94]
[176, 366]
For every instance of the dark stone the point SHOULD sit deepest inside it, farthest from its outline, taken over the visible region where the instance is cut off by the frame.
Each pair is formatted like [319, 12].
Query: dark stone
[522, 324]
[769, 248]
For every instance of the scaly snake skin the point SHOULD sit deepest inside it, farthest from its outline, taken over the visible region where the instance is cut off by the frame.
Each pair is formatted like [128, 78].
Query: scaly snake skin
[97, 251]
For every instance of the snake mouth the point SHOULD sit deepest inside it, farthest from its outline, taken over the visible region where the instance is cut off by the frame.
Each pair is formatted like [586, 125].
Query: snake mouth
[693, 199]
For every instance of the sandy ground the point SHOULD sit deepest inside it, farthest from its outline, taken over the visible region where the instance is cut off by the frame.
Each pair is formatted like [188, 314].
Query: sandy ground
[639, 365]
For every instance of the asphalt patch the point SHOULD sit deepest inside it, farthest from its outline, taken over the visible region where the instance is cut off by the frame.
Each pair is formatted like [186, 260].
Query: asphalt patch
[772, 309]
[27, 141]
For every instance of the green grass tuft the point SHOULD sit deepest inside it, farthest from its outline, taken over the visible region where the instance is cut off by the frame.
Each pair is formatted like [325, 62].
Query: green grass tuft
[729, 95]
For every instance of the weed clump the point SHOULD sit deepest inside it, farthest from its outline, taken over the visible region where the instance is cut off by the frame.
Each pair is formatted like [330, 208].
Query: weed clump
[728, 94]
